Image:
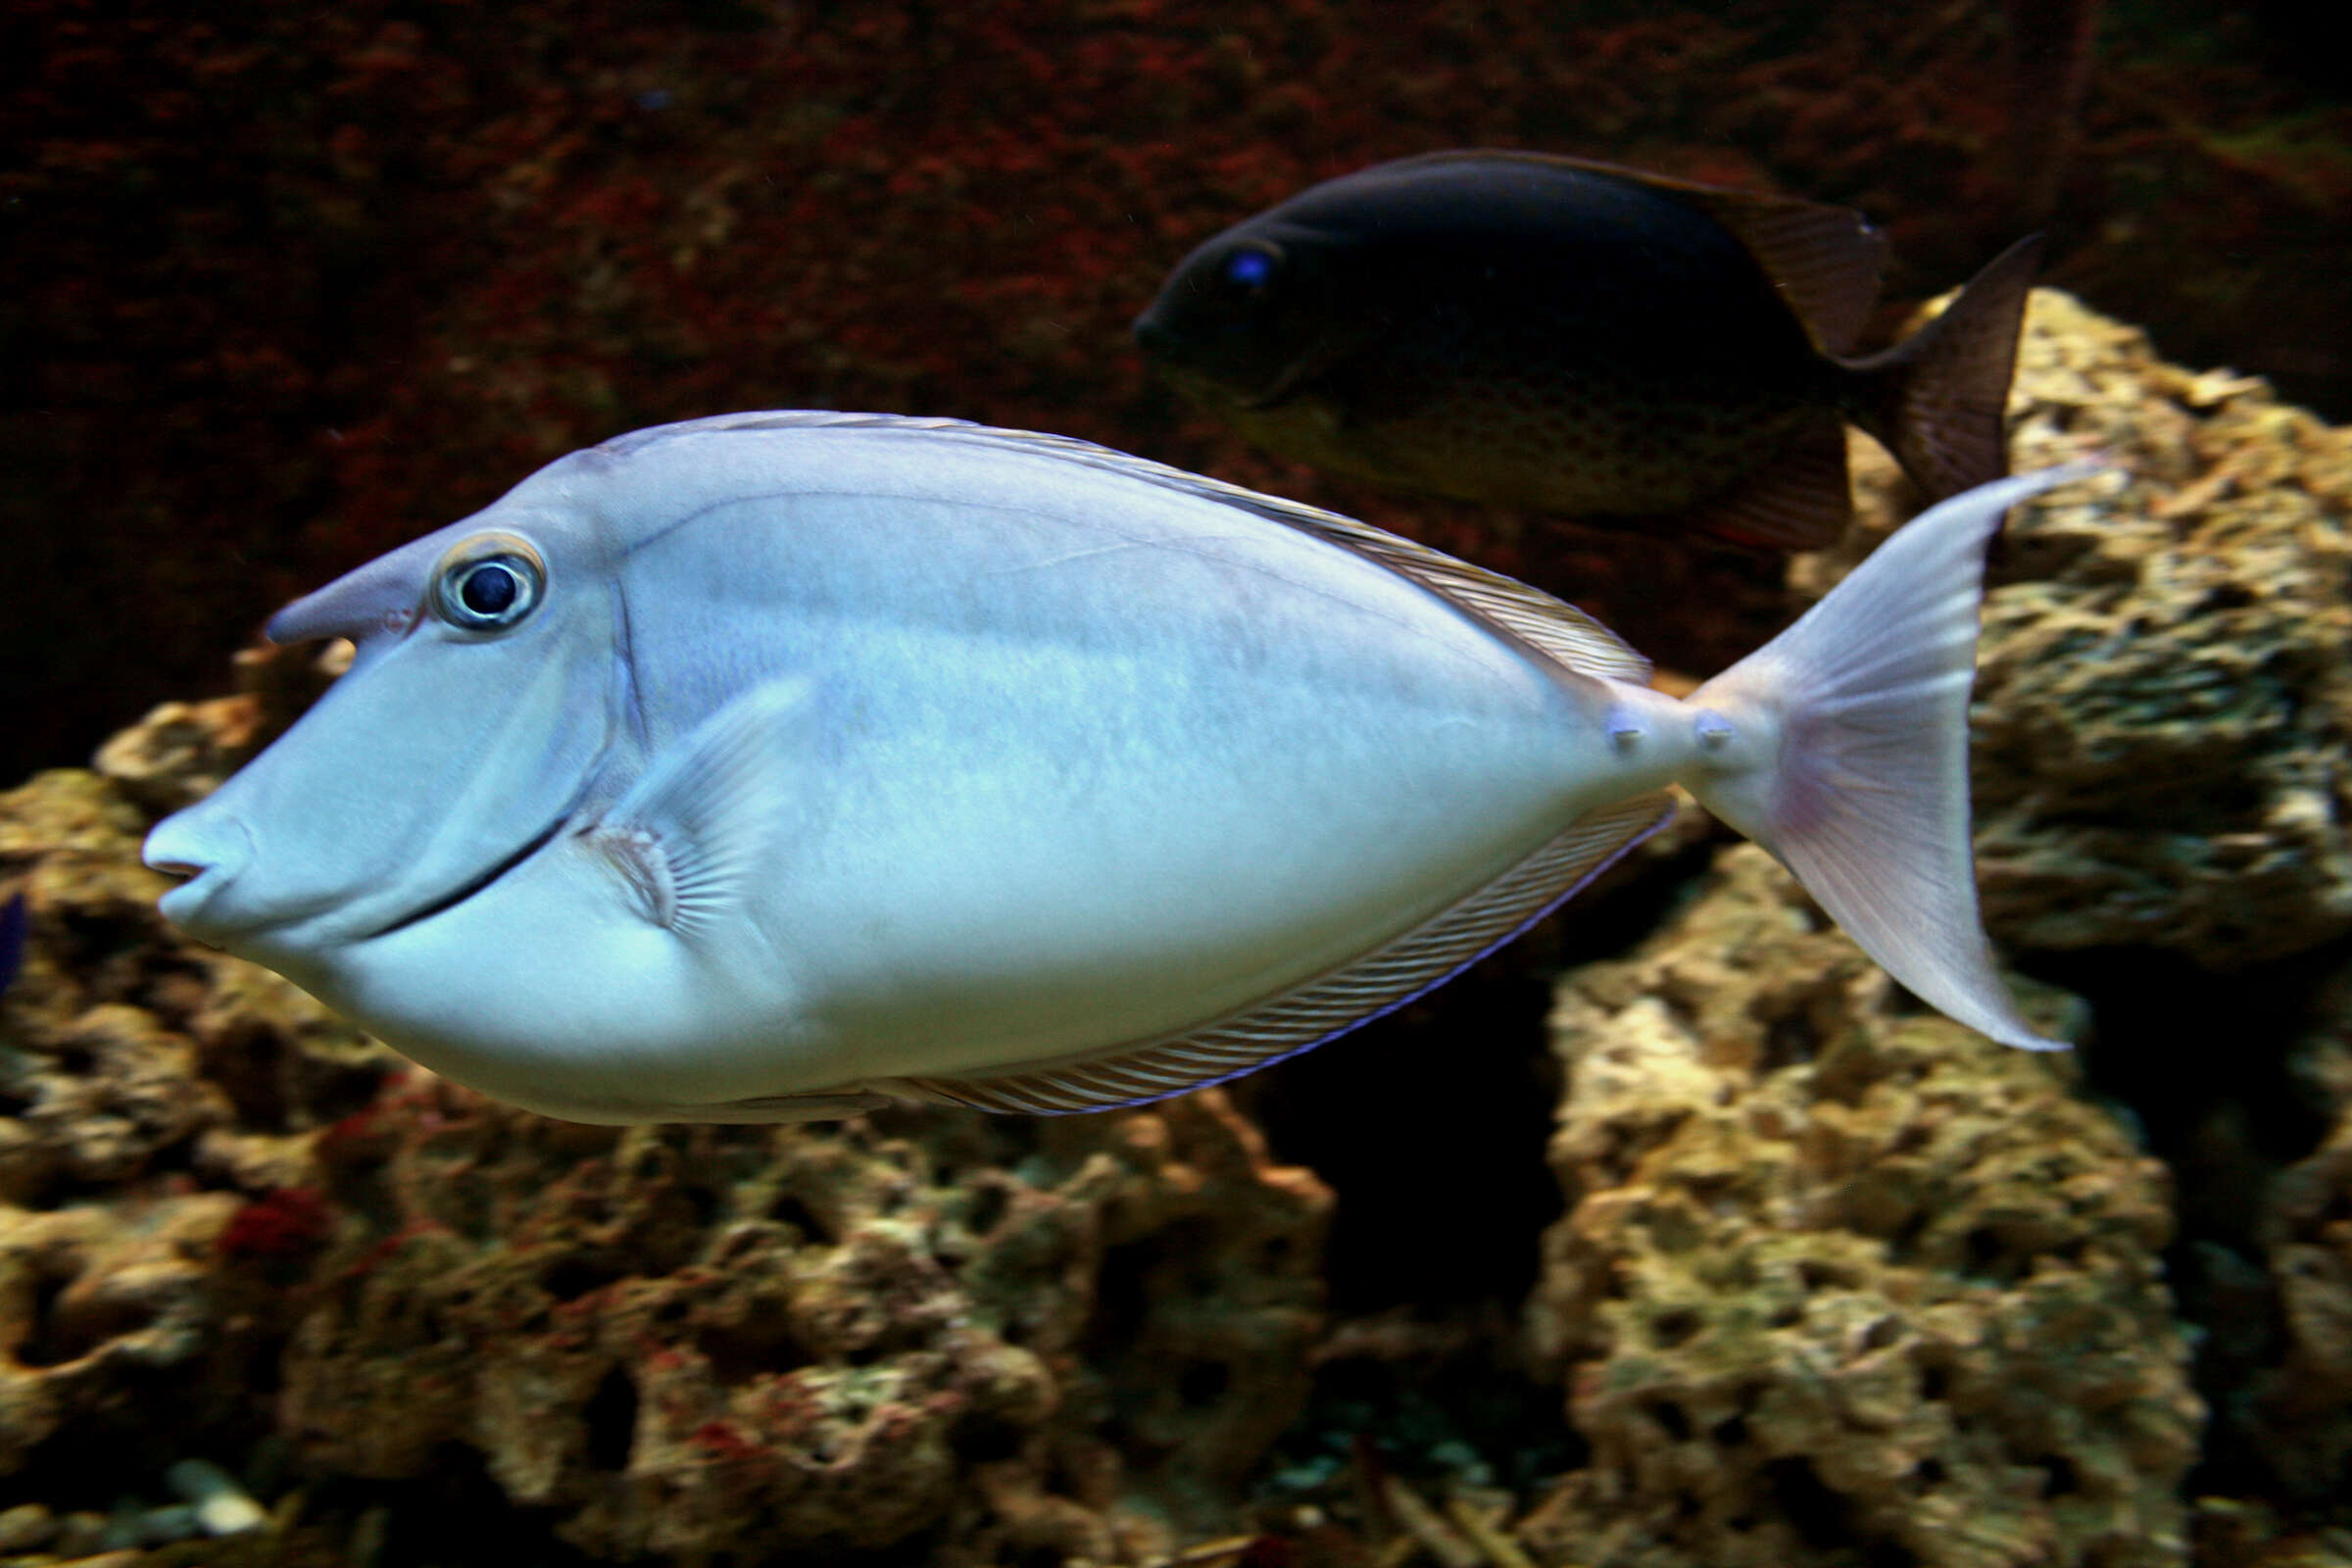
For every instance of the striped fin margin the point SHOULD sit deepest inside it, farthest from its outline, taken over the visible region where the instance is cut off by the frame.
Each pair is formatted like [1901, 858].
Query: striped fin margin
[1300, 1019]
[1561, 631]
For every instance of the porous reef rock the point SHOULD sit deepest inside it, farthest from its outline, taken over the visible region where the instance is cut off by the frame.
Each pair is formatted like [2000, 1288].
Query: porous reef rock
[2289, 1409]
[151, 1094]
[2163, 718]
[224, 1214]
[1843, 1282]
[697, 1340]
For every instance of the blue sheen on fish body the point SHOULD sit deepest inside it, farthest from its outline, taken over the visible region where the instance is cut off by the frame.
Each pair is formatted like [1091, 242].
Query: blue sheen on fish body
[820, 760]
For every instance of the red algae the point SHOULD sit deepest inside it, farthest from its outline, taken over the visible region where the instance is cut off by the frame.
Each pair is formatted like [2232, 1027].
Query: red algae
[288, 1222]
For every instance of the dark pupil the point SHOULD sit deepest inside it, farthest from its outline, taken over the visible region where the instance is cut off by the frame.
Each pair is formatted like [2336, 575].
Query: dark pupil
[1250, 268]
[488, 589]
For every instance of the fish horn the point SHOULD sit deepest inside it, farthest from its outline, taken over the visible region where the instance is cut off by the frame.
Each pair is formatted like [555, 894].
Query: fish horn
[1938, 399]
[1844, 749]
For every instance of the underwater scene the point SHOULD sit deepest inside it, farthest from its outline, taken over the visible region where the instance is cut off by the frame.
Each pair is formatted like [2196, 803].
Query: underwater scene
[1102, 784]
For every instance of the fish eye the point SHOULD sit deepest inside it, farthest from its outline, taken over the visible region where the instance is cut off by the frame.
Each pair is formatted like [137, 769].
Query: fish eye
[1251, 267]
[488, 583]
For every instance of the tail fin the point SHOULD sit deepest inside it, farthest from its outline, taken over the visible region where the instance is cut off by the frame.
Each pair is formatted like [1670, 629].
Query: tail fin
[1936, 400]
[1865, 794]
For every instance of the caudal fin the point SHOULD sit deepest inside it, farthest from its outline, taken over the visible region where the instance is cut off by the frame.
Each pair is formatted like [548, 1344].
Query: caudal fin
[1865, 794]
[1936, 400]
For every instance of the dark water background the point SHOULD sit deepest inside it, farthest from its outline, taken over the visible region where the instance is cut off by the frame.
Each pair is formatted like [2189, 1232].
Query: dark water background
[284, 287]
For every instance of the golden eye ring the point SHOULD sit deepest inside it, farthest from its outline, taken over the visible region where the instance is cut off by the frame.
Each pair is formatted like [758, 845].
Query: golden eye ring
[489, 583]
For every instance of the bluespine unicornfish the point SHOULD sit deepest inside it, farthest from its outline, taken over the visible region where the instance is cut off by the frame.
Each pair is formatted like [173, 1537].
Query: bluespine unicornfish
[780, 765]
[1544, 332]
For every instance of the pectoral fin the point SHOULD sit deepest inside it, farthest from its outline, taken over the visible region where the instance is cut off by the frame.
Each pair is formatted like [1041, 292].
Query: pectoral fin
[693, 834]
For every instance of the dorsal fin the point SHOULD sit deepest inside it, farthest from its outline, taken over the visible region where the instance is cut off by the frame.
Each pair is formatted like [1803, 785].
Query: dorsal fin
[1303, 1018]
[1533, 616]
[1560, 630]
[1826, 260]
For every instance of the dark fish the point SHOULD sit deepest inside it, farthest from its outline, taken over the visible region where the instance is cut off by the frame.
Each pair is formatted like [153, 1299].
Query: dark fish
[12, 938]
[1545, 333]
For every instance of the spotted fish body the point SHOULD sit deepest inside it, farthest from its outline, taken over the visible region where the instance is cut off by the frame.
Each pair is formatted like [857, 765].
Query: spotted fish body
[1548, 333]
[779, 765]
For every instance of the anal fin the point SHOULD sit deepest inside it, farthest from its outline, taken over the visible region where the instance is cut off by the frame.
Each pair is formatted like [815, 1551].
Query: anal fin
[1321, 1009]
[1800, 499]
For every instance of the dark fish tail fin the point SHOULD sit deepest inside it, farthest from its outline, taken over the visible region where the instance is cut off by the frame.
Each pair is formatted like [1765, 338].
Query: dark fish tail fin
[1863, 790]
[1936, 400]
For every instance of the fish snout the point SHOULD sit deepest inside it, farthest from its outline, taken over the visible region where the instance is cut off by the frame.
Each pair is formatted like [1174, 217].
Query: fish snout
[1152, 335]
[209, 852]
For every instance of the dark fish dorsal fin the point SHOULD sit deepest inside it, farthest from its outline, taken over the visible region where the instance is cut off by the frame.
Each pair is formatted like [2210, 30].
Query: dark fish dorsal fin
[1330, 1004]
[1533, 616]
[1826, 260]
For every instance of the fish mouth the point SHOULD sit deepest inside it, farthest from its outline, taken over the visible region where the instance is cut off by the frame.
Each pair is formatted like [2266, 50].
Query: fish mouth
[207, 853]
[467, 890]
[1164, 348]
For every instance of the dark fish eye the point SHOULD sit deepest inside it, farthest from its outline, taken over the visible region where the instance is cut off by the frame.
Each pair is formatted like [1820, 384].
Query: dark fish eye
[1251, 267]
[488, 583]
[489, 588]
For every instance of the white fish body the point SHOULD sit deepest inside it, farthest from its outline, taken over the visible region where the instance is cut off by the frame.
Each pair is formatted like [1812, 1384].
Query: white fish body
[823, 760]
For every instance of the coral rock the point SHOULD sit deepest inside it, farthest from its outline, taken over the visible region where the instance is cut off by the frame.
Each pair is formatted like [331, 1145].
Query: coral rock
[694, 1340]
[2291, 1410]
[182, 751]
[94, 1300]
[2164, 693]
[1843, 1282]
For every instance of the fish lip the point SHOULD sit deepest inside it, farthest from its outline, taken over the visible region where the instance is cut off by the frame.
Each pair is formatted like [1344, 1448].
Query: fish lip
[207, 867]
[191, 895]
[467, 889]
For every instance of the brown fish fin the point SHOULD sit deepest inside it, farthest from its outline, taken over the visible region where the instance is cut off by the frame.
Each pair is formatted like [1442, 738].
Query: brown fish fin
[1937, 400]
[1330, 1004]
[1799, 501]
[1826, 260]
